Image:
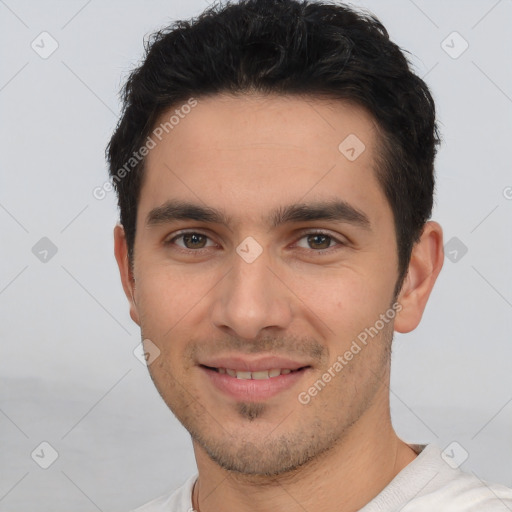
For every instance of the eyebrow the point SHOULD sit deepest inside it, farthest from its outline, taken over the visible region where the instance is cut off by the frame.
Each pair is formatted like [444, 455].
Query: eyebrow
[335, 210]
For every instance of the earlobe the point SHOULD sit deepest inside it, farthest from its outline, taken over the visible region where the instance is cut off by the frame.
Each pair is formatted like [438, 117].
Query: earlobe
[426, 262]
[127, 279]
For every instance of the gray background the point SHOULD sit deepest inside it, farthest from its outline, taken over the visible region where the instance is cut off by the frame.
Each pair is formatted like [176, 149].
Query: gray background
[68, 373]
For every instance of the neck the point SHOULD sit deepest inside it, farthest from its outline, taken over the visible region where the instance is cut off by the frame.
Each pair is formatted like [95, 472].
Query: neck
[345, 478]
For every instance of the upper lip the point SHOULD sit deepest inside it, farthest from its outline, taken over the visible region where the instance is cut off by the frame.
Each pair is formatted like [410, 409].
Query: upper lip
[253, 365]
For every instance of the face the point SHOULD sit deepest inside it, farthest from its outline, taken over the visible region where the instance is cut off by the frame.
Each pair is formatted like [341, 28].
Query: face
[265, 248]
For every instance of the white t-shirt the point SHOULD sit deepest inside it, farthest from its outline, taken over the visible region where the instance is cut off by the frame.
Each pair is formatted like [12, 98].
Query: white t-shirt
[427, 484]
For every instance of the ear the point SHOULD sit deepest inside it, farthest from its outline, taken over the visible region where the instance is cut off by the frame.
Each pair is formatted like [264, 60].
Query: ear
[426, 262]
[127, 279]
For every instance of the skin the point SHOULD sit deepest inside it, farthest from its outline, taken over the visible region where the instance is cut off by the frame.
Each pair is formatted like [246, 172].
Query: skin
[248, 155]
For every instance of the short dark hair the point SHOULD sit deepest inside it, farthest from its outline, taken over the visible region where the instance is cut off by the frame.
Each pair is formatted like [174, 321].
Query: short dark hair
[287, 47]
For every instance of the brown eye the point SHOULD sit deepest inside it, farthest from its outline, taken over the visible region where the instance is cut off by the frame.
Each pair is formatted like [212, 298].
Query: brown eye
[190, 241]
[319, 241]
[194, 240]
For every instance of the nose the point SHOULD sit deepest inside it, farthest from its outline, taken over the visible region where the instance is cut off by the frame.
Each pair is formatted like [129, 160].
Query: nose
[250, 299]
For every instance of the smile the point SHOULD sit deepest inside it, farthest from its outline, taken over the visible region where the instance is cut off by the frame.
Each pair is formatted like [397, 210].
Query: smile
[256, 385]
[259, 375]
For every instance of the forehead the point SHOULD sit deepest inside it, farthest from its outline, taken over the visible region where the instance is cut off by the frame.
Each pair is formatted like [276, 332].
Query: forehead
[255, 151]
[299, 123]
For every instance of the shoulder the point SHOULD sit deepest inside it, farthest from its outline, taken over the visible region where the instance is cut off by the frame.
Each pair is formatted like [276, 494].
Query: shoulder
[465, 493]
[453, 490]
[179, 500]
[431, 483]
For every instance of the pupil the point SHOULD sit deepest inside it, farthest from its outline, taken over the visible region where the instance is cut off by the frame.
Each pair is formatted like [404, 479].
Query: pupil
[317, 240]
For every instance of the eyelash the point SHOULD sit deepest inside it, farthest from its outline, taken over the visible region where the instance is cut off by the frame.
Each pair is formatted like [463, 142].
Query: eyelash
[339, 243]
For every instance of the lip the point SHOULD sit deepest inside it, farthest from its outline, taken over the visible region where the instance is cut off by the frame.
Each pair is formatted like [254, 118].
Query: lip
[253, 390]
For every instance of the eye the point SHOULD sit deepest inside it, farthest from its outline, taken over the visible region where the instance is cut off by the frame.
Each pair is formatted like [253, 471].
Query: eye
[195, 241]
[190, 240]
[319, 241]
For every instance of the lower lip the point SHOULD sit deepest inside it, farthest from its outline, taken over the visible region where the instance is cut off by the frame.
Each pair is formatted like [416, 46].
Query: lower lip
[253, 389]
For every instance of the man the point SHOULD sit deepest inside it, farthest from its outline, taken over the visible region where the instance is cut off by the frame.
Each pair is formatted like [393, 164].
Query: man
[274, 168]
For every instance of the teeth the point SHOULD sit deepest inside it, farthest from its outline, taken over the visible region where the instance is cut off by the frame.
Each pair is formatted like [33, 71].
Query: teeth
[260, 375]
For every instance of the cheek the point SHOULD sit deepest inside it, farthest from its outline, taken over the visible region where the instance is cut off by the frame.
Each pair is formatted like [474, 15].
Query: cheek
[163, 314]
[346, 300]
[162, 300]
[165, 291]
[173, 305]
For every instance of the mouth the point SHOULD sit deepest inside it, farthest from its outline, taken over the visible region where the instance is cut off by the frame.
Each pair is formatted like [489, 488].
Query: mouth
[255, 385]
[257, 375]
